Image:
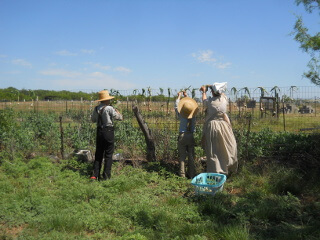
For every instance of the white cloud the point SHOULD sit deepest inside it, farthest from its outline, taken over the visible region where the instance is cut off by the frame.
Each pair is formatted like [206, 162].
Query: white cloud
[11, 72]
[235, 77]
[61, 73]
[206, 56]
[65, 53]
[68, 53]
[97, 74]
[95, 80]
[53, 64]
[21, 62]
[90, 80]
[107, 67]
[196, 75]
[87, 51]
[3, 56]
[223, 65]
[122, 69]
[99, 66]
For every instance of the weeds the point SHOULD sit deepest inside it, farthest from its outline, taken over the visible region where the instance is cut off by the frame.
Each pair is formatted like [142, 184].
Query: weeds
[47, 200]
[275, 194]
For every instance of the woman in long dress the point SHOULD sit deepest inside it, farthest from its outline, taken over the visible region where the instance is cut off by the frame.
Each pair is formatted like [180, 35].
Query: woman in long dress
[219, 141]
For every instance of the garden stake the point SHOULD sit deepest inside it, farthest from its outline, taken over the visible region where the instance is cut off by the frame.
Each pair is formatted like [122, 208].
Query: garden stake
[61, 138]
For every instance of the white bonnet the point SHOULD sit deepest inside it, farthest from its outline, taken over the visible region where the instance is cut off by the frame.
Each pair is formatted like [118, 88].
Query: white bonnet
[219, 88]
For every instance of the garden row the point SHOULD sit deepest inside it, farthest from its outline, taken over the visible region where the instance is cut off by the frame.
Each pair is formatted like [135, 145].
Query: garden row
[29, 134]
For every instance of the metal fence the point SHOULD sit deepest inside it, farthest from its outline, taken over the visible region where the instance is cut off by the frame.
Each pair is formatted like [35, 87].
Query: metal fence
[291, 109]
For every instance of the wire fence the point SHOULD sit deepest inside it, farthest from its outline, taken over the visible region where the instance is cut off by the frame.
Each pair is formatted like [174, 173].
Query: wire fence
[291, 109]
[62, 127]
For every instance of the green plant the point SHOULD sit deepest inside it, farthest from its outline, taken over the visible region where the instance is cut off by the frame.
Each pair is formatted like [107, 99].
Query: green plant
[148, 202]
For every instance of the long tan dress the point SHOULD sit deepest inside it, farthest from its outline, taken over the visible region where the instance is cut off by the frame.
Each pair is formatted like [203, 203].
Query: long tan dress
[220, 143]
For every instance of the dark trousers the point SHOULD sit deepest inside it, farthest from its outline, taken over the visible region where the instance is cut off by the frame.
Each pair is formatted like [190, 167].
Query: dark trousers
[186, 144]
[104, 148]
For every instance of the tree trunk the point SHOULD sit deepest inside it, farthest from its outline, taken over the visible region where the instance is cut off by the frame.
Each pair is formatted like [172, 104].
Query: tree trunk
[151, 150]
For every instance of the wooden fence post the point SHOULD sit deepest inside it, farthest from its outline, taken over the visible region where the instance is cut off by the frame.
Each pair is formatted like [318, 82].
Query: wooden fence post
[151, 150]
[284, 118]
[61, 138]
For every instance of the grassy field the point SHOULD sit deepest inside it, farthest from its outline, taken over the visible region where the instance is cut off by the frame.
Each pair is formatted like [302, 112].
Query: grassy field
[275, 194]
[45, 199]
[160, 115]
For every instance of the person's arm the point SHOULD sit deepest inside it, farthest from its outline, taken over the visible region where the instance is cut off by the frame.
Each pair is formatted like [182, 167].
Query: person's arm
[177, 103]
[117, 115]
[185, 93]
[204, 94]
[226, 118]
[225, 115]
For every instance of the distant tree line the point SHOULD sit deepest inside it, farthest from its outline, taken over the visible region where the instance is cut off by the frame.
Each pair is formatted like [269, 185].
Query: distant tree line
[13, 94]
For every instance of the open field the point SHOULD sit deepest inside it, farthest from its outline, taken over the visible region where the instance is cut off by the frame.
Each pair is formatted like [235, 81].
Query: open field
[45, 191]
[161, 114]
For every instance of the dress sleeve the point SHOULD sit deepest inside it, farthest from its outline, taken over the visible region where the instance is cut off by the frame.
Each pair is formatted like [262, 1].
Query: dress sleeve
[225, 97]
[176, 103]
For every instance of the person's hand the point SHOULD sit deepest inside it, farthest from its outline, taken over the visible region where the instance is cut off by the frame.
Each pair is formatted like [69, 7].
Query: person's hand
[179, 94]
[203, 89]
[185, 94]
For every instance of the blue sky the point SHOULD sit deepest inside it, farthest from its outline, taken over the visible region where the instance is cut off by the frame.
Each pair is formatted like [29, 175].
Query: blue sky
[133, 44]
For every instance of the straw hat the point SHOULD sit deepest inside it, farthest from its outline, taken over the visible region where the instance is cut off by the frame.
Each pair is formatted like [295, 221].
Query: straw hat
[103, 96]
[188, 107]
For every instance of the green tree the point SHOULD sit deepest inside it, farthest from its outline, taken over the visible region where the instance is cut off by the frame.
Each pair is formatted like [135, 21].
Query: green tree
[308, 42]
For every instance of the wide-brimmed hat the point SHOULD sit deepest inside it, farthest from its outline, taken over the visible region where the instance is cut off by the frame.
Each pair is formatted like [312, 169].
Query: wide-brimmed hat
[103, 96]
[188, 107]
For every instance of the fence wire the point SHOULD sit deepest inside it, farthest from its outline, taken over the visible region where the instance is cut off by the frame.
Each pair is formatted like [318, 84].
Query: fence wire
[291, 109]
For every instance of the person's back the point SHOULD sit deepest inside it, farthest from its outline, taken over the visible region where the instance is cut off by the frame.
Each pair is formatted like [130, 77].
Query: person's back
[104, 115]
[219, 141]
[186, 109]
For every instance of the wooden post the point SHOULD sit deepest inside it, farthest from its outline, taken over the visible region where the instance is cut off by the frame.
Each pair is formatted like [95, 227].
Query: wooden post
[34, 106]
[248, 137]
[315, 106]
[37, 104]
[61, 138]
[127, 104]
[151, 150]
[284, 118]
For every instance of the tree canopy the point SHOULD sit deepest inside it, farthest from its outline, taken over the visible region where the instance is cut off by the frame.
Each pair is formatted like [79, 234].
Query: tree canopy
[13, 94]
[308, 42]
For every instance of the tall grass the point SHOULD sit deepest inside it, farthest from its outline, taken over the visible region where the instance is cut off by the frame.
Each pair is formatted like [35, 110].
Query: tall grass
[274, 195]
[43, 199]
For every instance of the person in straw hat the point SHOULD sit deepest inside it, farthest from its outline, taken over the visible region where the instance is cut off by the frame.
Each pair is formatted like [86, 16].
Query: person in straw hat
[104, 115]
[219, 141]
[186, 109]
